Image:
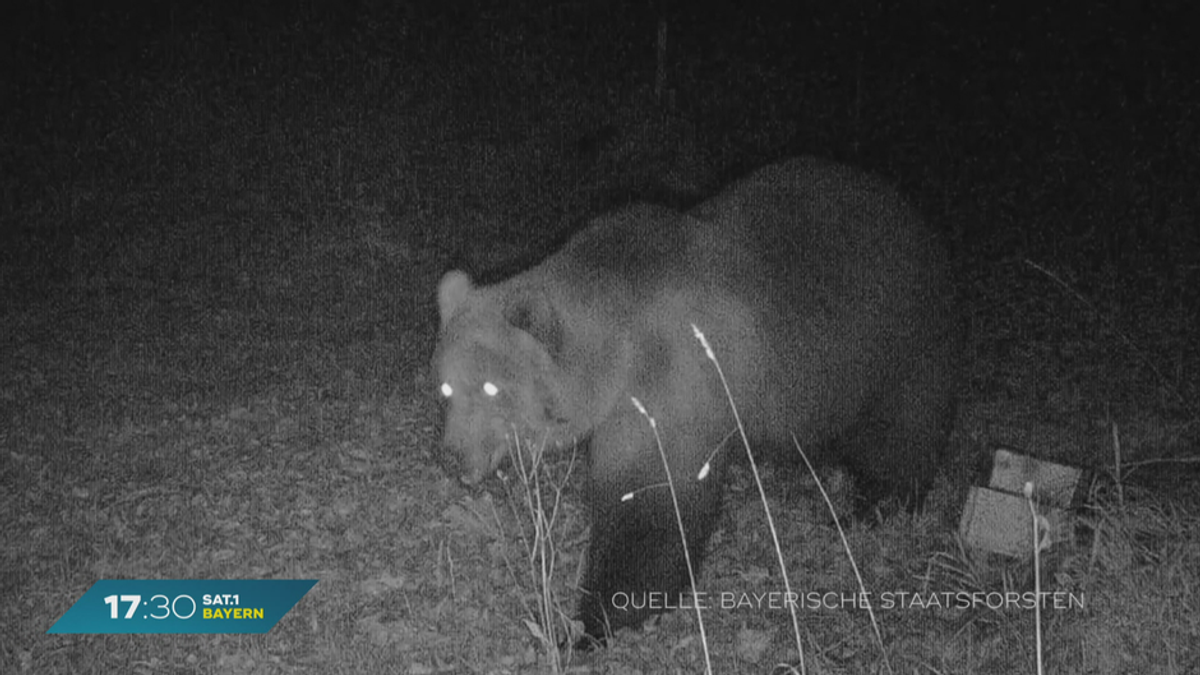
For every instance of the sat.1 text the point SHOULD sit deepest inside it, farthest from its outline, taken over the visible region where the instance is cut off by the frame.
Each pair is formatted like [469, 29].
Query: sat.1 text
[223, 599]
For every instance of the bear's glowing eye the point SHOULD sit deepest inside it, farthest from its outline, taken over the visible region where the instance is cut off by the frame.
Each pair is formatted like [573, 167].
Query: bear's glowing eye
[490, 389]
[447, 390]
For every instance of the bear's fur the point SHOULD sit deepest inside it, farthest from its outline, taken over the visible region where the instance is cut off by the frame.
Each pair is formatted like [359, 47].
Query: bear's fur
[823, 297]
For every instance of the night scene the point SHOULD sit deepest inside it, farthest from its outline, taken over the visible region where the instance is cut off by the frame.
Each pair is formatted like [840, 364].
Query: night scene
[613, 336]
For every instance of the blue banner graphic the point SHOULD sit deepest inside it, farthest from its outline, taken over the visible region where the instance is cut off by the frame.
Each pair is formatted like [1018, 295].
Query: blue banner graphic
[183, 606]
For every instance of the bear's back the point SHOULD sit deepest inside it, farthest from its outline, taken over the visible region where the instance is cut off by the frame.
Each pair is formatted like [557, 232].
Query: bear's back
[803, 271]
[622, 259]
[825, 243]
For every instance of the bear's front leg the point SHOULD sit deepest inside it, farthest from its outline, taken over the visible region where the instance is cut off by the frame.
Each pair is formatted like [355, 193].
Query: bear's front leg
[636, 563]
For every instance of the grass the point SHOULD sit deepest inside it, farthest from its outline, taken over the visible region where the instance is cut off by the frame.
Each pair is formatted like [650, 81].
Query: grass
[221, 231]
[537, 504]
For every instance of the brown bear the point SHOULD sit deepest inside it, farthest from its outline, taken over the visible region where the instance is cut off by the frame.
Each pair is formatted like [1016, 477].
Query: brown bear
[825, 300]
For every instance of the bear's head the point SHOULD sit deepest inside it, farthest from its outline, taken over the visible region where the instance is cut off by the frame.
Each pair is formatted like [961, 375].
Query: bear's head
[498, 377]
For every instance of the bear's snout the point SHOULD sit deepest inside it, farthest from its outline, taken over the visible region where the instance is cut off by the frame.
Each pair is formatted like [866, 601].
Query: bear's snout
[473, 472]
[475, 456]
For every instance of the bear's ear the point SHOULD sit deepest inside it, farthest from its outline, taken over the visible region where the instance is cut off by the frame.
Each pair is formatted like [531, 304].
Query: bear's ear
[533, 314]
[452, 293]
